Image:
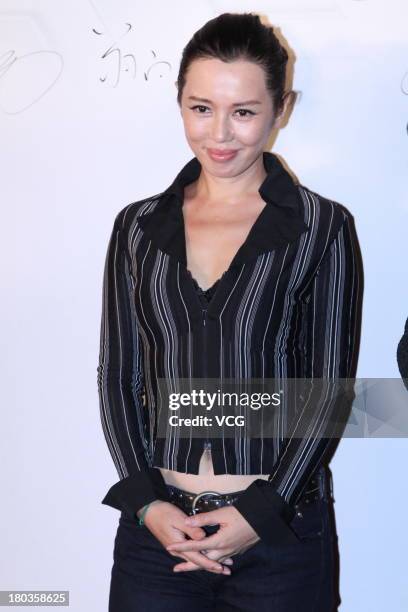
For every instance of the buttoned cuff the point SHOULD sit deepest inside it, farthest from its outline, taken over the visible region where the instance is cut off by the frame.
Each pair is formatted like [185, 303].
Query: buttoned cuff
[267, 513]
[135, 491]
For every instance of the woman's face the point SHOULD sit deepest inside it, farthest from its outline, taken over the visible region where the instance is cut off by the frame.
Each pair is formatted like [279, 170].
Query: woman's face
[226, 106]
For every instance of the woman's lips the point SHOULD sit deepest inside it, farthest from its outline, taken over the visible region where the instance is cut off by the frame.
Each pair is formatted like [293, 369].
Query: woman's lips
[222, 155]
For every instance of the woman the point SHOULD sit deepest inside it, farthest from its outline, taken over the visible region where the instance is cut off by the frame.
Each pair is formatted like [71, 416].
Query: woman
[234, 271]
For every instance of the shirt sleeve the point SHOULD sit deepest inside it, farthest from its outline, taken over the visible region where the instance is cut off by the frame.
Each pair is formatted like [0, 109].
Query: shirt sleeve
[120, 382]
[330, 345]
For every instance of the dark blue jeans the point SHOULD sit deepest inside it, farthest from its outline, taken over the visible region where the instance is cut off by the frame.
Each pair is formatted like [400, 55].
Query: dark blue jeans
[264, 578]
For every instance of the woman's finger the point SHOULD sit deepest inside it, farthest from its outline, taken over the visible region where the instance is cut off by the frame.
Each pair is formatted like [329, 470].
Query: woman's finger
[213, 555]
[218, 555]
[190, 565]
[195, 533]
[203, 562]
[211, 542]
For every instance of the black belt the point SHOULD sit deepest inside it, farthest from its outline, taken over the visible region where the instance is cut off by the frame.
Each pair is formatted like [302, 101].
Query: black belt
[319, 486]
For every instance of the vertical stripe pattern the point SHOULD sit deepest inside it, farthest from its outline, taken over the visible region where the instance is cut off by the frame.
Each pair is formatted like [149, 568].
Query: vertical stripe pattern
[287, 312]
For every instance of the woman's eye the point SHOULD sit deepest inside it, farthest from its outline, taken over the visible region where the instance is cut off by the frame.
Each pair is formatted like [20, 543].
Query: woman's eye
[198, 106]
[245, 110]
[239, 110]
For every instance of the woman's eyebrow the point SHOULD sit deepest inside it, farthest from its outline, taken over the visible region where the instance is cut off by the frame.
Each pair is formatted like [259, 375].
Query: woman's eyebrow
[235, 103]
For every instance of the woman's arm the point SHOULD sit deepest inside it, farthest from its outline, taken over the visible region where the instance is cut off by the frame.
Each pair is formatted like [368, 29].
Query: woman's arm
[330, 351]
[120, 384]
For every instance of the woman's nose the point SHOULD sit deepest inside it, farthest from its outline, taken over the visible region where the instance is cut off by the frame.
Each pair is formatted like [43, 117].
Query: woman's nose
[221, 129]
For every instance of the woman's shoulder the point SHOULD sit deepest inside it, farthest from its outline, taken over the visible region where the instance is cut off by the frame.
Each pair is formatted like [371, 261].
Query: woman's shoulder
[127, 215]
[329, 214]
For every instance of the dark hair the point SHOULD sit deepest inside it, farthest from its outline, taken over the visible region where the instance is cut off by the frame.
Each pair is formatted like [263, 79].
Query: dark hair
[234, 36]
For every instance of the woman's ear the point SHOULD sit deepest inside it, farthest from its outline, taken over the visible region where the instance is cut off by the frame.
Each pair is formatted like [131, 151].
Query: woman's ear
[288, 100]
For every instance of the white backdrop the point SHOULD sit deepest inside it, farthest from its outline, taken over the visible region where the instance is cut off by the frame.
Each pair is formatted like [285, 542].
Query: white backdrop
[90, 123]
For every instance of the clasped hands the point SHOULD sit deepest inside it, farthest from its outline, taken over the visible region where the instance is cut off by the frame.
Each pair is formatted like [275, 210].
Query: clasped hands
[170, 525]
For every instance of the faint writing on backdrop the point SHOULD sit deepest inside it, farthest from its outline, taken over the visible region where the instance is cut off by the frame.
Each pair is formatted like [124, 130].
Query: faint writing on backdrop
[26, 78]
[119, 61]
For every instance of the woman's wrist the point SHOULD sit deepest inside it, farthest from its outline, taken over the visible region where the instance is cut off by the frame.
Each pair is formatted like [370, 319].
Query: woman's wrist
[141, 513]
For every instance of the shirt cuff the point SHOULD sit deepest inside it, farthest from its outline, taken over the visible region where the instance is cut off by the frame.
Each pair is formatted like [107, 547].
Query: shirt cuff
[135, 491]
[267, 513]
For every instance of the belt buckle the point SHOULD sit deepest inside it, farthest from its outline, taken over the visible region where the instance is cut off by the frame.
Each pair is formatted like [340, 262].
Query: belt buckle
[197, 497]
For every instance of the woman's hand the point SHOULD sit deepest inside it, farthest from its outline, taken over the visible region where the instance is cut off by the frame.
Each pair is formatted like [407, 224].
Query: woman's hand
[166, 522]
[235, 535]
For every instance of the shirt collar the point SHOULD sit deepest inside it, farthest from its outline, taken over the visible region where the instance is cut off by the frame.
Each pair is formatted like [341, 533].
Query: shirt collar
[280, 223]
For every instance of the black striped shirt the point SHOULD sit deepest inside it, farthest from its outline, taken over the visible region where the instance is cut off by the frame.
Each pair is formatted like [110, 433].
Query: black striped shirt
[288, 306]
